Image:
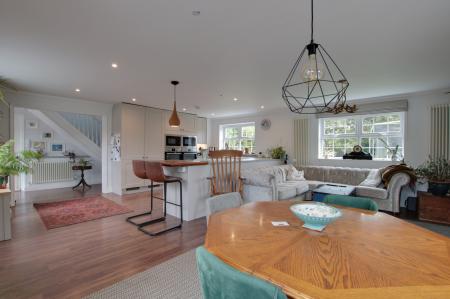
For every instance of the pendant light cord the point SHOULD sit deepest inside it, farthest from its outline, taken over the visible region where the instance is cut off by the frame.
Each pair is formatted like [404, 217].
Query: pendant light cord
[312, 21]
[174, 93]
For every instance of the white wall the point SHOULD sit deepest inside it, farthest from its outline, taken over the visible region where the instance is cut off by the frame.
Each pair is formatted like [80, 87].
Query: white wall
[54, 103]
[417, 134]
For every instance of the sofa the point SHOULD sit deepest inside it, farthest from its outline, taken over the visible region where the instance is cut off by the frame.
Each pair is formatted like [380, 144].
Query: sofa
[279, 183]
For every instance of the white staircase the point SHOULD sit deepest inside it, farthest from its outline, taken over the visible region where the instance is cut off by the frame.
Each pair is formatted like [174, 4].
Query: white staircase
[89, 125]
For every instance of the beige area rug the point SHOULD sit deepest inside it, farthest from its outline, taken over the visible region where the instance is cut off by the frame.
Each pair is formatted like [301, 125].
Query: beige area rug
[175, 278]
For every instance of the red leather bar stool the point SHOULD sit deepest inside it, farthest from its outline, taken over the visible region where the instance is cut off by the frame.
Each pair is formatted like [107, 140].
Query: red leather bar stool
[155, 173]
[140, 172]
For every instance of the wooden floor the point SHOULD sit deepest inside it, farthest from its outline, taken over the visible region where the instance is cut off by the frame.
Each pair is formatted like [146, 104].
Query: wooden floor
[73, 261]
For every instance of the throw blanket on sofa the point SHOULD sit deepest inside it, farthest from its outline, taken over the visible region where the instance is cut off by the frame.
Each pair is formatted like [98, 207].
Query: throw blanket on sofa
[388, 172]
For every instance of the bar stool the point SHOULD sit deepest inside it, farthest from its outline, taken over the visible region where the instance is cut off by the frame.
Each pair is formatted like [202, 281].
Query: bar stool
[139, 171]
[155, 173]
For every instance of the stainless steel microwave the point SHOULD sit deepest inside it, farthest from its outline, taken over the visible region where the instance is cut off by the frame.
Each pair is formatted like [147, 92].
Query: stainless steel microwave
[173, 143]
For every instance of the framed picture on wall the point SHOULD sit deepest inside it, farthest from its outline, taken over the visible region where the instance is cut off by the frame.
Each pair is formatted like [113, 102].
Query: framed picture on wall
[38, 146]
[57, 147]
[47, 135]
[32, 124]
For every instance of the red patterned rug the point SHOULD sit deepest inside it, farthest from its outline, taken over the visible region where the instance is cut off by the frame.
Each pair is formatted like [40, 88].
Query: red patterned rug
[63, 213]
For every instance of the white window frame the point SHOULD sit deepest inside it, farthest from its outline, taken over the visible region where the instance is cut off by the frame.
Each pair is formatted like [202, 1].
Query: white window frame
[359, 133]
[223, 140]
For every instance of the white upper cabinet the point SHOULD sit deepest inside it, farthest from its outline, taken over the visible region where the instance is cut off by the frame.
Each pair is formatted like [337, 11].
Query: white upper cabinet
[154, 136]
[187, 123]
[133, 127]
[201, 130]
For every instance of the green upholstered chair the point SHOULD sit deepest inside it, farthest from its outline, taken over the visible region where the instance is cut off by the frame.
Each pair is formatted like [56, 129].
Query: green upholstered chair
[352, 201]
[220, 281]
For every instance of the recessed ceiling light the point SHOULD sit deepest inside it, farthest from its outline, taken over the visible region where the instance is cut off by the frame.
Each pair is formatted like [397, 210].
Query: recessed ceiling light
[235, 99]
[184, 109]
[262, 107]
[133, 99]
[77, 90]
[114, 65]
[196, 12]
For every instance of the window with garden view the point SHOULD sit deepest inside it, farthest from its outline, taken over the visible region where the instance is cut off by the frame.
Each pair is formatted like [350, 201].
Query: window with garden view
[377, 134]
[238, 137]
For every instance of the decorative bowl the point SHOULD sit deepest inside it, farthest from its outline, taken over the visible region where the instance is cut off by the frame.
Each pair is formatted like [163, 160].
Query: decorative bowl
[316, 216]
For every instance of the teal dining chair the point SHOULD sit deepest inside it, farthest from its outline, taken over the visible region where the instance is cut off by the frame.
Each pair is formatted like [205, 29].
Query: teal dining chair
[364, 203]
[220, 281]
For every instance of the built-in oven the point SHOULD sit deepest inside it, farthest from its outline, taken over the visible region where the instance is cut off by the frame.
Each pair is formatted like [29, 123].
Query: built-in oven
[189, 144]
[189, 156]
[173, 156]
[173, 143]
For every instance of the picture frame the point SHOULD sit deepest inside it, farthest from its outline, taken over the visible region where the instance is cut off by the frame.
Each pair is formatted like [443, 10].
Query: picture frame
[47, 135]
[38, 146]
[57, 147]
[32, 124]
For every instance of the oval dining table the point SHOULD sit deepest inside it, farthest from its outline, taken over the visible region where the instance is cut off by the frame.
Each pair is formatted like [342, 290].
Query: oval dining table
[363, 254]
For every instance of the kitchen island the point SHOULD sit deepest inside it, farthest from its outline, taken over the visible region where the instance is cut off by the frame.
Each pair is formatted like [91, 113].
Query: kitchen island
[196, 186]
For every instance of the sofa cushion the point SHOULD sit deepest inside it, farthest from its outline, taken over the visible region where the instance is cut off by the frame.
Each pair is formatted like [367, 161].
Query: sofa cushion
[295, 175]
[314, 173]
[373, 179]
[259, 177]
[300, 186]
[346, 175]
[371, 192]
[286, 192]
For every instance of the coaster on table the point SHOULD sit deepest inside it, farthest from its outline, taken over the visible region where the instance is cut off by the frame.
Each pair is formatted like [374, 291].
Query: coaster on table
[280, 223]
[314, 227]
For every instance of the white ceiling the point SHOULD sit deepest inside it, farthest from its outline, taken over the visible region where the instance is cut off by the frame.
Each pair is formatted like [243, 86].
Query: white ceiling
[234, 48]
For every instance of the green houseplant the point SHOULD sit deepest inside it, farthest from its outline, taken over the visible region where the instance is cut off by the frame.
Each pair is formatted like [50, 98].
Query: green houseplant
[437, 172]
[12, 164]
[277, 152]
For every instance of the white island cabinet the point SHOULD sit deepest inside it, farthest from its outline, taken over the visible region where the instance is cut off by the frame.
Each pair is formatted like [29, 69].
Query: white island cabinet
[196, 187]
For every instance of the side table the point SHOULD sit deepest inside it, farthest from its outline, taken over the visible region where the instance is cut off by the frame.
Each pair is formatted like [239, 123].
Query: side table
[434, 208]
[82, 182]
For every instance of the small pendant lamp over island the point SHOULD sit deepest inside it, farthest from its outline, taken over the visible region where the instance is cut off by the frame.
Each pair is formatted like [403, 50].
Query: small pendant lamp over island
[174, 120]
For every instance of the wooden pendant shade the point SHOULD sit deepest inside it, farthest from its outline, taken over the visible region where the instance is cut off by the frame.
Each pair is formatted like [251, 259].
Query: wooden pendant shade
[174, 120]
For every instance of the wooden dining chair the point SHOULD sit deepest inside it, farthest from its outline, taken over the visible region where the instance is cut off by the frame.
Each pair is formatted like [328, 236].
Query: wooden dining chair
[226, 172]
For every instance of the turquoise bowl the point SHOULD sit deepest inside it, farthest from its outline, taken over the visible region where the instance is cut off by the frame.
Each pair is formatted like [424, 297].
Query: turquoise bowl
[316, 216]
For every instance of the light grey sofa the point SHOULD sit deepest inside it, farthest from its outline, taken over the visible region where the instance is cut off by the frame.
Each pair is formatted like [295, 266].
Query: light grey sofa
[271, 183]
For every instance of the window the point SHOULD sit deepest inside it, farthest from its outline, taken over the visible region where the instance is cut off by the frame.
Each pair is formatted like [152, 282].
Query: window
[238, 137]
[372, 132]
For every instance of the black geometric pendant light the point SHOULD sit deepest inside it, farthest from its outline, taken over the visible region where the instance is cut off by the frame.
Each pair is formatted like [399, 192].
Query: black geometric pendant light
[315, 84]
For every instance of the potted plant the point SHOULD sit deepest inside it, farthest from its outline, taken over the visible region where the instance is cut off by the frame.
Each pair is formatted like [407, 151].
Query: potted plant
[12, 164]
[437, 172]
[277, 152]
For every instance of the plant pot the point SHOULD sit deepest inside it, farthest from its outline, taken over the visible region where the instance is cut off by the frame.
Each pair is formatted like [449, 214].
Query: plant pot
[3, 181]
[438, 188]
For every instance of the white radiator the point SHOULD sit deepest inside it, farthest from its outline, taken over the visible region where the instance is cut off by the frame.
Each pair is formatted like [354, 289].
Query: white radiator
[440, 131]
[301, 136]
[51, 171]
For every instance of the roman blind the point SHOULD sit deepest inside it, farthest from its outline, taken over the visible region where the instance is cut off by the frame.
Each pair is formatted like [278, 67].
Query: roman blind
[440, 131]
[301, 136]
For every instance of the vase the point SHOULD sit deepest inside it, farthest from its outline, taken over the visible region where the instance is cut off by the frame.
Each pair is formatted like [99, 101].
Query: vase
[3, 181]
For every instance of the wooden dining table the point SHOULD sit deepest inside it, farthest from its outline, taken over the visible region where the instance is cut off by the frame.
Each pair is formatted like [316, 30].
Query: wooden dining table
[361, 255]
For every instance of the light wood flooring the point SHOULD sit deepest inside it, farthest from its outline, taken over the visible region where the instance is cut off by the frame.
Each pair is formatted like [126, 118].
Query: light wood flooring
[76, 260]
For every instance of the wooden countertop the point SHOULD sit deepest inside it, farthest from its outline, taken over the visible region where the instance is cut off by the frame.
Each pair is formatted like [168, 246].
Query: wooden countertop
[182, 163]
